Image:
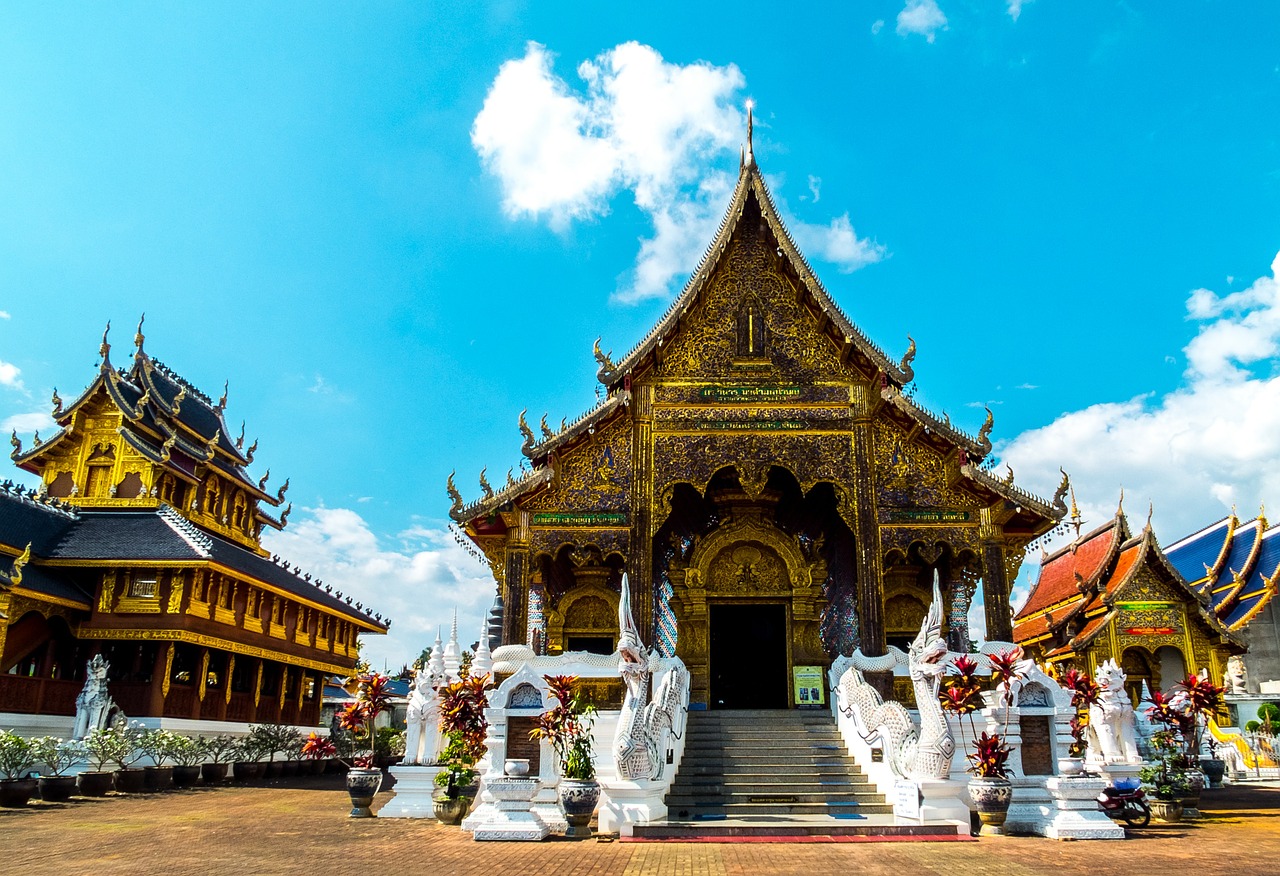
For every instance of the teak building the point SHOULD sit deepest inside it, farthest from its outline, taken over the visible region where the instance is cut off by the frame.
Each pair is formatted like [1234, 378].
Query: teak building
[760, 470]
[143, 543]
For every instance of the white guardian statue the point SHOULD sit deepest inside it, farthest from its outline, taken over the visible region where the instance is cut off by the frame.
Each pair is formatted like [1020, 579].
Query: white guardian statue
[1112, 723]
[94, 704]
[422, 723]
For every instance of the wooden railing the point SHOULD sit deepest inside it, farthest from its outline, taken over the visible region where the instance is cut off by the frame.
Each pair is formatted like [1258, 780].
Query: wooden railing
[38, 696]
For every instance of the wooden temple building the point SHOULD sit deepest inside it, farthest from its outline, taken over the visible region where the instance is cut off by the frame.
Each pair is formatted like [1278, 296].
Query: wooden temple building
[758, 467]
[1110, 594]
[142, 542]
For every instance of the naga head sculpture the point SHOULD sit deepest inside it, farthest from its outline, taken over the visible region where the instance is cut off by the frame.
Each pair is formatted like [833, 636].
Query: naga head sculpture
[629, 645]
[929, 648]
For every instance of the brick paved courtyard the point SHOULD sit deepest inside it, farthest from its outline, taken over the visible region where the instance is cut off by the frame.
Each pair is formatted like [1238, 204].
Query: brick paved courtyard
[302, 828]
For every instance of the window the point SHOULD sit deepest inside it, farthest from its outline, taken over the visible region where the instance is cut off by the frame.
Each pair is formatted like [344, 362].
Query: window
[144, 588]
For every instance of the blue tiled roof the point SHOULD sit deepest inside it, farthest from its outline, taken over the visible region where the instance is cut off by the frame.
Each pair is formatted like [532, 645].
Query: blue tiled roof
[1190, 555]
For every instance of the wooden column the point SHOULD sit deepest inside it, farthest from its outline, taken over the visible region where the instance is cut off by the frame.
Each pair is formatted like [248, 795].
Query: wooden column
[640, 559]
[868, 562]
[515, 583]
[995, 586]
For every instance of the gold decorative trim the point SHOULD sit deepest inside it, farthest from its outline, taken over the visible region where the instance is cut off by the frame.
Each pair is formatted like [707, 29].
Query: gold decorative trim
[168, 669]
[138, 605]
[211, 642]
[53, 600]
[231, 667]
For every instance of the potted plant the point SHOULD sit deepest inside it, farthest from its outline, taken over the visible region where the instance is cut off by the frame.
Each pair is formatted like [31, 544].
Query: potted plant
[567, 726]
[158, 745]
[218, 752]
[462, 720]
[364, 778]
[131, 778]
[1181, 713]
[1166, 779]
[990, 788]
[246, 759]
[187, 754]
[16, 760]
[102, 747]
[1084, 693]
[57, 756]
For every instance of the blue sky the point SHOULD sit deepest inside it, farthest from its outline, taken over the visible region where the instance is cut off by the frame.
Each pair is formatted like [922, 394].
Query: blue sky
[394, 227]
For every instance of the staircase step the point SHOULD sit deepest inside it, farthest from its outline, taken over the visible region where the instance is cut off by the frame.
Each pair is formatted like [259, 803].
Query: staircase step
[796, 829]
[694, 812]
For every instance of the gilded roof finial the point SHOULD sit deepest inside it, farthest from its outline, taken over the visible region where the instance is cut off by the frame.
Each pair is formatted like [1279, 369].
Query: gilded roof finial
[484, 483]
[454, 495]
[263, 482]
[212, 445]
[138, 336]
[222, 402]
[1060, 495]
[253, 448]
[284, 518]
[1008, 478]
[16, 442]
[750, 156]
[1076, 519]
[240, 440]
[179, 399]
[15, 574]
[546, 430]
[1151, 510]
[57, 402]
[1120, 504]
[283, 489]
[104, 350]
[605, 372]
[984, 433]
[511, 481]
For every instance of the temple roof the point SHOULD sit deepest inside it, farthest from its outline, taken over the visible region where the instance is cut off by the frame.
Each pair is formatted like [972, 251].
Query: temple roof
[164, 418]
[751, 187]
[1080, 583]
[1236, 565]
[65, 538]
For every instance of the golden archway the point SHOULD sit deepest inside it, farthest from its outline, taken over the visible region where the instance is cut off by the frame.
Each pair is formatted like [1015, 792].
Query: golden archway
[746, 559]
[588, 610]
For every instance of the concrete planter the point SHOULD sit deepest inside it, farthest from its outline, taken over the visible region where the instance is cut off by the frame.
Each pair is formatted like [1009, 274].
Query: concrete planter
[57, 789]
[1166, 811]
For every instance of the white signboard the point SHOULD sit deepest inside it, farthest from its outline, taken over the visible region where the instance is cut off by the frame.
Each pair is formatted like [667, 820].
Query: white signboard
[906, 800]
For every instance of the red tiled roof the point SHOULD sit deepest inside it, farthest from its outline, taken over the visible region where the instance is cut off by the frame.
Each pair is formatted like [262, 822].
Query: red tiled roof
[1058, 573]
[1091, 628]
[1128, 556]
[1033, 627]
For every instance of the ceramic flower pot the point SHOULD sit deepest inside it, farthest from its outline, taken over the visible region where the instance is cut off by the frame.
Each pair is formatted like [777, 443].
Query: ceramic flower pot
[213, 773]
[273, 769]
[186, 776]
[1165, 811]
[1191, 800]
[57, 789]
[16, 793]
[95, 784]
[1214, 769]
[578, 800]
[1070, 766]
[158, 778]
[991, 797]
[248, 770]
[450, 810]
[131, 780]
[362, 785]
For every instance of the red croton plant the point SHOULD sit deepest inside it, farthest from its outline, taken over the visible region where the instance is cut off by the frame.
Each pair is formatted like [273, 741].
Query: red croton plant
[962, 695]
[372, 699]
[1084, 693]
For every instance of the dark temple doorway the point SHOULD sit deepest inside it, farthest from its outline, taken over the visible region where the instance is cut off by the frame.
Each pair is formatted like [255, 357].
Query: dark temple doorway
[748, 656]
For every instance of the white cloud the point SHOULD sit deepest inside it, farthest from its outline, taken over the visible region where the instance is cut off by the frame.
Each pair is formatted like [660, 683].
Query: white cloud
[921, 17]
[815, 187]
[877, 26]
[1015, 7]
[837, 243]
[9, 375]
[4, 314]
[641, 126]
[1194, 452]
[418, 583]
[35, 421]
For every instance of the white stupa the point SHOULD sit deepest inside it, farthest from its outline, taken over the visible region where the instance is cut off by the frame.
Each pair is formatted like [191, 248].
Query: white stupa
[482, 660]
[435, 663]
[452, 652]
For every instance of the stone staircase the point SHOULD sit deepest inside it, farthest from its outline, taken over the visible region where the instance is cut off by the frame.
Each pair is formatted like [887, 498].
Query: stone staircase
[773, 773]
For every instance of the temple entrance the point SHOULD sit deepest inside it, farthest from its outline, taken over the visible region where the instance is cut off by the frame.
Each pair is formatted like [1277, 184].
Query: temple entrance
[748, 656]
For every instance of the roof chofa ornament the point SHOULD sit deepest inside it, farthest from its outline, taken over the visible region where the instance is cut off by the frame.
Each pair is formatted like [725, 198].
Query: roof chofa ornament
[908, 373]
[749, 160]
[529, 440]
[104, 349]
[454, 495]
[138, 336]
[607, 371]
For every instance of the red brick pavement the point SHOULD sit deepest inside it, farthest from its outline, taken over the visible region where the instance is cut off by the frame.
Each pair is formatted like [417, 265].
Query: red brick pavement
[302, 829]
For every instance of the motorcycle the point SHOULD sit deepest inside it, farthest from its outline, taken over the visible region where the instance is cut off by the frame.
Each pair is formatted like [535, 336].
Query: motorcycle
[1127, 802]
